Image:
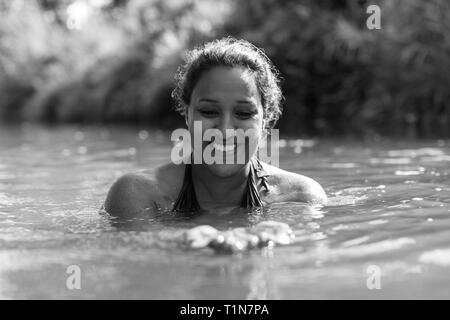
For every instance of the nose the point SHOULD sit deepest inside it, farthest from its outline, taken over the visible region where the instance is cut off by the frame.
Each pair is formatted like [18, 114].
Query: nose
[226, 122]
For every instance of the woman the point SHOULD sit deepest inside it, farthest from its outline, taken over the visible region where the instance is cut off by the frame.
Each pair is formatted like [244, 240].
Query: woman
[225, 84]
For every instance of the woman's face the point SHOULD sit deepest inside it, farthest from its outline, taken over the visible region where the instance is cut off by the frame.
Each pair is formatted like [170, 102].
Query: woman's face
[227, 98]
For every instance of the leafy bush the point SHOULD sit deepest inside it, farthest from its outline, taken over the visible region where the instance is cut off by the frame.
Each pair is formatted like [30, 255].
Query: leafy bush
[116, 61]
[342, 78]
[115, 65]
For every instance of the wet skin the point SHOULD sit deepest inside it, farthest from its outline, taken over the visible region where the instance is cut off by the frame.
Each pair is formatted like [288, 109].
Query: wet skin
[223, 98]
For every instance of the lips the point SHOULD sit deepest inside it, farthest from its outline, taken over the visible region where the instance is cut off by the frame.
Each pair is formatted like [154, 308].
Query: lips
[224, 148]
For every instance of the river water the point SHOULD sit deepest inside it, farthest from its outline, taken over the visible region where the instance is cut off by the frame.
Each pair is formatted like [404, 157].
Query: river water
[385, 233]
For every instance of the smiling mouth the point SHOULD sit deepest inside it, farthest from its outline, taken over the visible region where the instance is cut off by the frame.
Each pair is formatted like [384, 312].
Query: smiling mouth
[224, 148]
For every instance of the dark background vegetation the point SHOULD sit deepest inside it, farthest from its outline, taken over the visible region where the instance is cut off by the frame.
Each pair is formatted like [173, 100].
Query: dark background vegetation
[110, 61]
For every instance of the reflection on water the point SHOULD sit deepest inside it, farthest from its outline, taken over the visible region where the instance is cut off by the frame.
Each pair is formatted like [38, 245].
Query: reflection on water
[389, 207]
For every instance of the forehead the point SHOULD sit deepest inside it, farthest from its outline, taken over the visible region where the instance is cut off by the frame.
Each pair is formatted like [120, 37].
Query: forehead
[226, 83]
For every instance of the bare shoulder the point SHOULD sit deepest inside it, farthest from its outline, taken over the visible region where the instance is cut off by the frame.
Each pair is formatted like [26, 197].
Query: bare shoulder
[131, 194]
[290, 186]
[135, 193]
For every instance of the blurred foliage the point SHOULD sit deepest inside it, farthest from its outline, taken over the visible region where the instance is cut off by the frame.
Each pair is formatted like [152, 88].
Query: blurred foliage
[340, 77]
[96, 61]
[114, 60]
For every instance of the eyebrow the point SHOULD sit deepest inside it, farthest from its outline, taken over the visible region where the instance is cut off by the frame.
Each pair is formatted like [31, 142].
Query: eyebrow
[207, 100]
[246, 102]
[249, 102]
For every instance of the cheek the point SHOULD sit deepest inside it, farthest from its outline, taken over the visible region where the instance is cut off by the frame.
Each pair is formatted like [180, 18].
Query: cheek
[255, 136]
[197, 127]
[194, 118]
[258, 125]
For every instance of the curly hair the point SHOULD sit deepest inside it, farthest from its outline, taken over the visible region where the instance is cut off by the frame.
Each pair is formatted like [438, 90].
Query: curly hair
[230, 52]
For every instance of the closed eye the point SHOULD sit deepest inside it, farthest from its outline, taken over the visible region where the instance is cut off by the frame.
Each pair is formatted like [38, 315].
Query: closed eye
[208, 113]
[244, 114]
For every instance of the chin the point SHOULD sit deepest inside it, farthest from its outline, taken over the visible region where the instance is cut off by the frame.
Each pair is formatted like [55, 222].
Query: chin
[225, 170]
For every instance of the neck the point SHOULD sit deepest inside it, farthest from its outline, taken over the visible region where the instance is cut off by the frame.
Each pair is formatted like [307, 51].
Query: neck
[213, 189]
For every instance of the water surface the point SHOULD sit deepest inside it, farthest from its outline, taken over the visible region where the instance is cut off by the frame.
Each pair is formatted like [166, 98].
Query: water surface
[389, 208]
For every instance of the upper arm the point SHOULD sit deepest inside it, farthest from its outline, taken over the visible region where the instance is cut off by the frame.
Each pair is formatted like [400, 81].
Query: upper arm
[130, 195]
[297, 187]
[312, 191]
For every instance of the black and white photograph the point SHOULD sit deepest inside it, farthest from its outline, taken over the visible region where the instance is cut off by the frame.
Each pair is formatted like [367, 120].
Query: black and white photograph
[226, 150]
